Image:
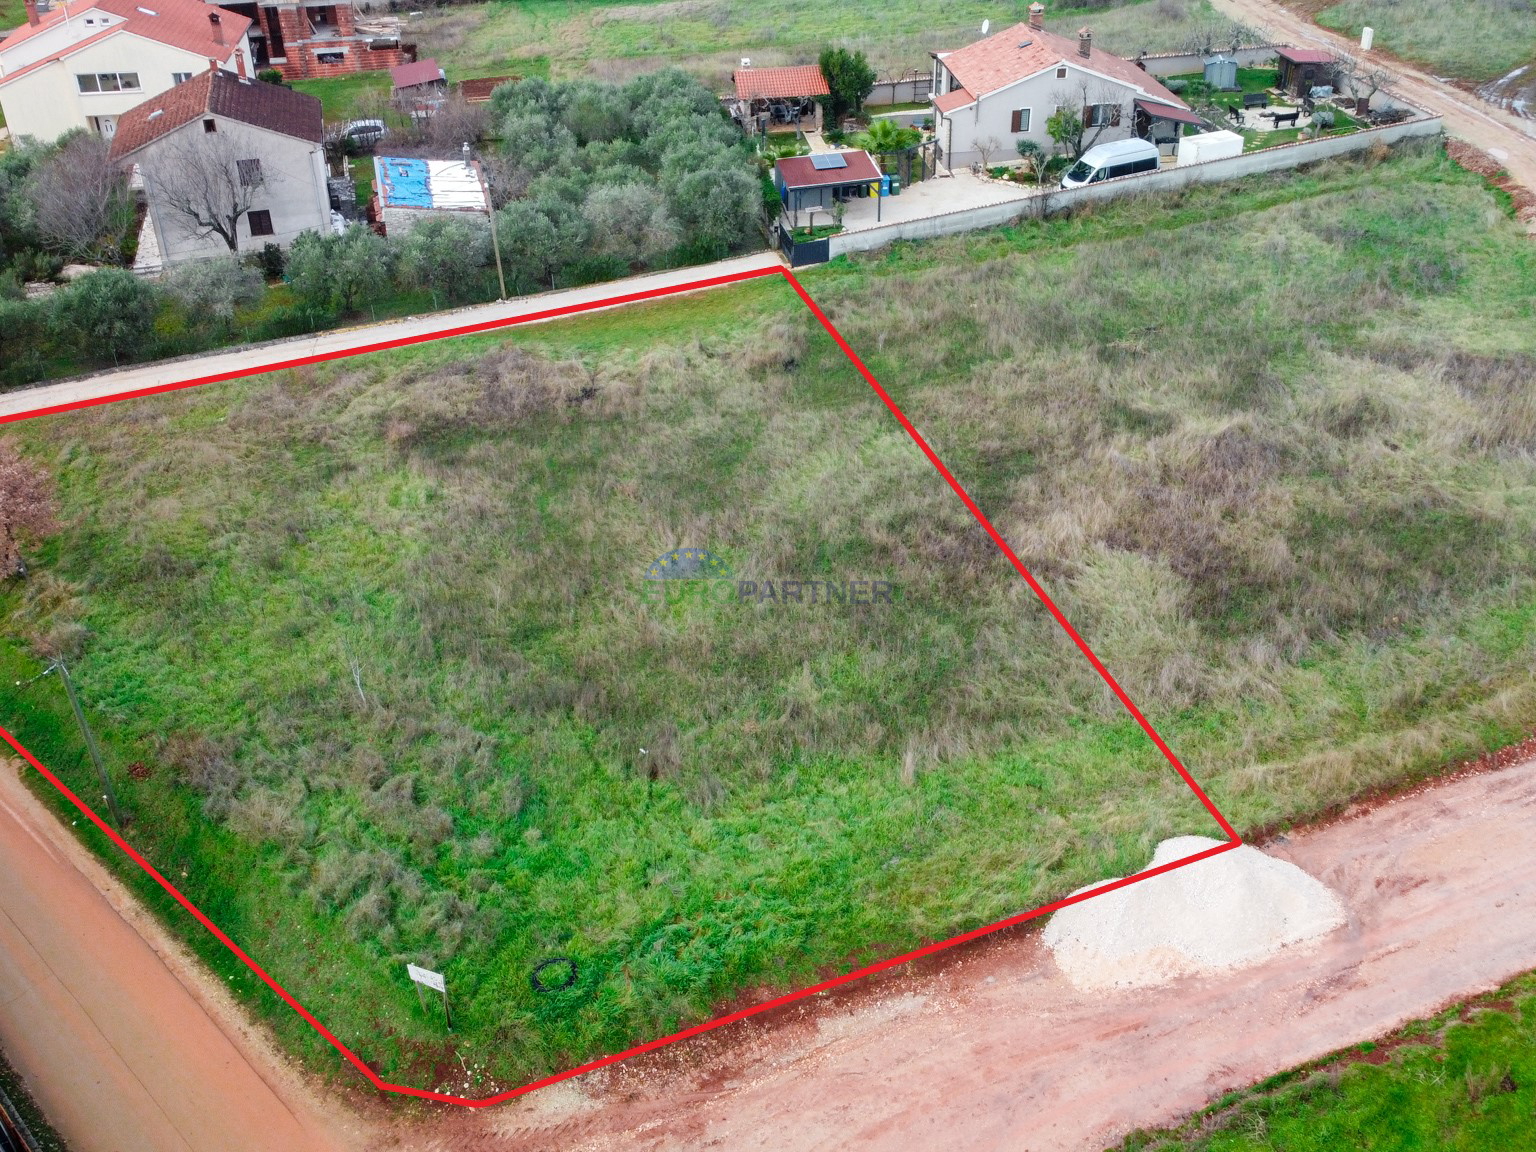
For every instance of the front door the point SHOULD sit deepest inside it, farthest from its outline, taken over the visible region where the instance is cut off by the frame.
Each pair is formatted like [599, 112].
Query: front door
[105, 126]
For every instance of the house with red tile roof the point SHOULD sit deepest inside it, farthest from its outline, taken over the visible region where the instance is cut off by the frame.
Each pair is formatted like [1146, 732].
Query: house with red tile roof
[83, 64]
[990, 94]
[229, 164]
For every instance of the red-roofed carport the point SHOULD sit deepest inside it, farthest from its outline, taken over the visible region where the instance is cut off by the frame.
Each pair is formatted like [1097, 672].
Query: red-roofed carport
[823, 179]
[769, 96]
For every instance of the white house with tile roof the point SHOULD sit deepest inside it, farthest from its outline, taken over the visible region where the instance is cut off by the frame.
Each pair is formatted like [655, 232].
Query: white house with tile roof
[83, 64]
[989, 94]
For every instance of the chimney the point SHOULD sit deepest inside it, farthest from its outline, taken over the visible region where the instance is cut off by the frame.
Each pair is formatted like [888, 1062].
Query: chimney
[1037, 16]
[218, 26]
[213, 65]
[240, 62]
[32, 16]
[1085, 42]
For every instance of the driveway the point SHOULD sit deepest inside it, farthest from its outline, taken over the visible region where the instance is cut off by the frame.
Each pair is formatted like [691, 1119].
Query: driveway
[246, 361]
[935, 197]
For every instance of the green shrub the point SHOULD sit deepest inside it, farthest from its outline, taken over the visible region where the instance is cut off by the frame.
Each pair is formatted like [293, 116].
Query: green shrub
[106, 315]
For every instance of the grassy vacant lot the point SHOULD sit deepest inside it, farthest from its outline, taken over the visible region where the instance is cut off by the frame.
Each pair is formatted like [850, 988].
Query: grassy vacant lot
[572, 38]
[1476, 40]
[1465, 1080]
[374, 633]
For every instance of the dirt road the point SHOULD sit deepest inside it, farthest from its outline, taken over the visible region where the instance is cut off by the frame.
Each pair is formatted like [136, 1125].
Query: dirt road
[997, 1051]
[122, 1041]
[131, 1050]
[1507, 138]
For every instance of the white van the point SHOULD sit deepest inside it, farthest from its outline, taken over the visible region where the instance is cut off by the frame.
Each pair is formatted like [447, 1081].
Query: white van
[1106, 161]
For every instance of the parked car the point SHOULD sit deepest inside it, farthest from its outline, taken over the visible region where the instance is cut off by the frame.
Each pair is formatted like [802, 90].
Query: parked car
[362, 135]
[1106, 161]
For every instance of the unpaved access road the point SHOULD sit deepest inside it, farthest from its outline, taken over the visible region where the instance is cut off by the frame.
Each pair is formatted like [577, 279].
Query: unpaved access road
[126, 1044]
[1507, 138]
[995, 1050]
[134, 1049]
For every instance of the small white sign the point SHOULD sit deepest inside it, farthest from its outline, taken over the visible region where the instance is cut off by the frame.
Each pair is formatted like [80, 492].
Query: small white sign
[433, 980]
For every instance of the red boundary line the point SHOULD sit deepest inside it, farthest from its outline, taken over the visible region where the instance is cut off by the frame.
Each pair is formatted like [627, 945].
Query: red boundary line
[1233, 840]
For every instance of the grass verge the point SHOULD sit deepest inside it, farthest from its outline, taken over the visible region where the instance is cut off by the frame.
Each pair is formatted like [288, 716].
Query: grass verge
[1465, 1080]
[1477, 41]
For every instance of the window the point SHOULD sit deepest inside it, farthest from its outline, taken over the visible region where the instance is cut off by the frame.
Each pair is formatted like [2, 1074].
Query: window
[180, 77]
[261, 222]
[1102, 116]
[250, 172]
[331, 57]
[108, 82]
[1061, 73]
[1021, 120]
[210, 126]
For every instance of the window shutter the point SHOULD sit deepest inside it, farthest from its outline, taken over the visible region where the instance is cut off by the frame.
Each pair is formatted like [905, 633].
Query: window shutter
[1114, 116]
[1018, 119]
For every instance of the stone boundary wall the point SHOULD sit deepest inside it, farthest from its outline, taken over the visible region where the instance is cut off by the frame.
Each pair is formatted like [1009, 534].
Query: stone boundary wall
[1045, 203]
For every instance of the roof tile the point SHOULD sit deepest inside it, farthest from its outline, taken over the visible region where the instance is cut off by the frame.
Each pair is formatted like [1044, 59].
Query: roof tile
[218, 93]
[780, 83]
[1021, 51]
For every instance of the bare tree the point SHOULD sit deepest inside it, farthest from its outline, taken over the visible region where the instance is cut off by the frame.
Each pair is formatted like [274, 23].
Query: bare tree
[987, 146]
[208, 181]
[1221, 35]
[80, 201]
[1084, 112]
[26, 507]
[1362, 79]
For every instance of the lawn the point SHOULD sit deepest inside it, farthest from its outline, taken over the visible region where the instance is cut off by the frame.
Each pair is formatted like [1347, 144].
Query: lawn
[13, 14]
[359, 95]
[612, 40]
[377, 637]
[1475, 40]
[1464, 1080]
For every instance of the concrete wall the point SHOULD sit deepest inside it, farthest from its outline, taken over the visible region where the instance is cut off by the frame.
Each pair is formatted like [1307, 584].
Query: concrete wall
[293, 188]
[1182, 63]
[907, 90]
[1268, 160]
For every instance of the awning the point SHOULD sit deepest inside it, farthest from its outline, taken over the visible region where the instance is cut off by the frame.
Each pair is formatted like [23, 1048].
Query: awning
[1157, 111]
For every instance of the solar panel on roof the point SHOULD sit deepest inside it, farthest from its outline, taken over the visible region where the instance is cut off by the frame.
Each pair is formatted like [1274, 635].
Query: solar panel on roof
[821, 161]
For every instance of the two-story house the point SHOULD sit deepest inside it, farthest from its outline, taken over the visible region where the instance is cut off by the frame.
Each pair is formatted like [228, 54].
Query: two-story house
[990, 94]
[229, 164]
[83, 64]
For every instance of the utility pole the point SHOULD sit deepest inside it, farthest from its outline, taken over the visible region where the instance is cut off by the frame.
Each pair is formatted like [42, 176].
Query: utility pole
[90, 744]
[490, 214]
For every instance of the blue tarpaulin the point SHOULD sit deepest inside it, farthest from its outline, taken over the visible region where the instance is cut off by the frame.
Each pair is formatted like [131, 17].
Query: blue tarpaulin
[406, 183]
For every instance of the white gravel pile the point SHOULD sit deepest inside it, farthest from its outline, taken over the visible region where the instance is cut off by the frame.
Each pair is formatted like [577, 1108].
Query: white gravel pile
[1230, 911]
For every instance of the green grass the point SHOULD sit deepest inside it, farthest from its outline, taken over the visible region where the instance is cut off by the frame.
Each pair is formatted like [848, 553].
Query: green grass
[1476, 40]
[377, 628]
[359, 95]
[15, 1089]
[13, 14]
[567, 39]
[1464, 1080]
